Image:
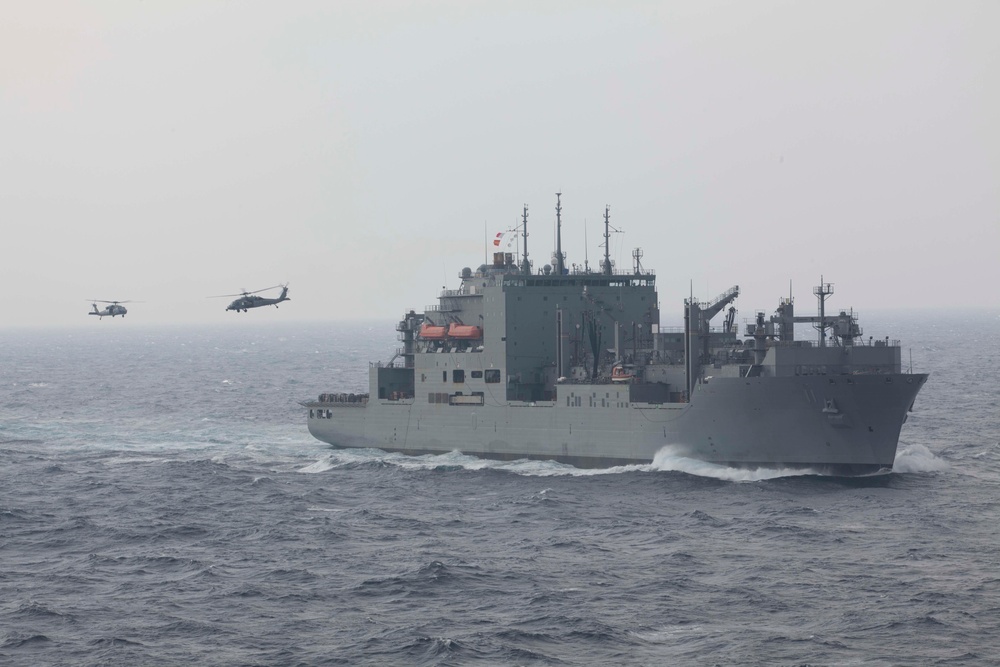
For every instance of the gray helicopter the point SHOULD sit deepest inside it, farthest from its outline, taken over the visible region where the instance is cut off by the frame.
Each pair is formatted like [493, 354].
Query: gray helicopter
[114, 308]
[248, 300]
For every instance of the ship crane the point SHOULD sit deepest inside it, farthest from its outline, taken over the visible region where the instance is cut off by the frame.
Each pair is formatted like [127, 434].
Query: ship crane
[703, 314]
[730, 319]
[696, 326]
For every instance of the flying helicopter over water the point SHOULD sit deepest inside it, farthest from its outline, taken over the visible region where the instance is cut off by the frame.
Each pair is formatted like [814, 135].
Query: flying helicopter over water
[248, 300]
[114, 308]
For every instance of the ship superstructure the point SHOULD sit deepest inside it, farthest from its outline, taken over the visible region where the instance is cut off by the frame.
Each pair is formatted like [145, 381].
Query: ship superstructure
[572, 365]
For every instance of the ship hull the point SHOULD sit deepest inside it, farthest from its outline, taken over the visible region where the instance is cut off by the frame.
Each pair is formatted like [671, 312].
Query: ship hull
[838, 425]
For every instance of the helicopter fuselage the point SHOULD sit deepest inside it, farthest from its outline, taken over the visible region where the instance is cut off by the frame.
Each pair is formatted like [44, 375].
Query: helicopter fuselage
[111, 311]
[248, 301]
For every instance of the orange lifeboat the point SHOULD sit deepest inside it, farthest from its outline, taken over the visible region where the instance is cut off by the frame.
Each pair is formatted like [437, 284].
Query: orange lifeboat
[620, 374]
[432, 332]
[465, 332]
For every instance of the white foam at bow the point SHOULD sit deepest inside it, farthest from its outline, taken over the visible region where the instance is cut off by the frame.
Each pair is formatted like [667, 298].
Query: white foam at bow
[917, 458]
[667, 459]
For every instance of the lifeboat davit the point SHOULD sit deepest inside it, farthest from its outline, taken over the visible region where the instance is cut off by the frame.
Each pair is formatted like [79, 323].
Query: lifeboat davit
[432, 332]
[465, 332]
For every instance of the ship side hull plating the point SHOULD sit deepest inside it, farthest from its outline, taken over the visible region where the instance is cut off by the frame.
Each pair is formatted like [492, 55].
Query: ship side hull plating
[842, 425]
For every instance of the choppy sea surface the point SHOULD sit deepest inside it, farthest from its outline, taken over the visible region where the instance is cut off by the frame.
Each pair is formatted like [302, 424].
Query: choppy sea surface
[162, 503]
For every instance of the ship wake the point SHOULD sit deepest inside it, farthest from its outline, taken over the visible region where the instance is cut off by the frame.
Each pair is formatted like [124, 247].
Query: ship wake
[666, 460]
[455, 461]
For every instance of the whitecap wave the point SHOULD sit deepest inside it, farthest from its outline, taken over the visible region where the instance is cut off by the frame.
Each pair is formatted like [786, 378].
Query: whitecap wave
[322, 465]
[667, 634]
[126, 460]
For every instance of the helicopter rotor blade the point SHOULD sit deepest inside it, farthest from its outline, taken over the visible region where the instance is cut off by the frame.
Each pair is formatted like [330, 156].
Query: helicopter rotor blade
[226, 296]
[245, 292]
[265, 289]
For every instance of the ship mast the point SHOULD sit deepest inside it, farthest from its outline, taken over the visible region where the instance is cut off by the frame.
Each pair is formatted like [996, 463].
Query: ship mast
[822, 291]
[637, 257]
[525, 266]
[559, 255]
[606, 267]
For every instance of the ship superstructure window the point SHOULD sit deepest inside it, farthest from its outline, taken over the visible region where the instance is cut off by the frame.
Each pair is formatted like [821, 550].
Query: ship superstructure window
[477, 374]
[458, 376]
[492, 375]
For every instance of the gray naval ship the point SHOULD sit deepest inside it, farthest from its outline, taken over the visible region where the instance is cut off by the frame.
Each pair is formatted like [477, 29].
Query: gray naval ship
[571, 365]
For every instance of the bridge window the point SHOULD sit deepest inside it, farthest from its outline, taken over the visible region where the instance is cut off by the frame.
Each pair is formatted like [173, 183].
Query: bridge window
[492, 375]
[458, 376]
[477, 374]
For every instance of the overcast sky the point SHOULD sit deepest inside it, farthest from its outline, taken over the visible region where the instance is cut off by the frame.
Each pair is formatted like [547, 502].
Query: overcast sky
[165, 152]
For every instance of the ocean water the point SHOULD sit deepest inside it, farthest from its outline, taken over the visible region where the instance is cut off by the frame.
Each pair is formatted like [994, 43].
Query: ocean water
[162, 503]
